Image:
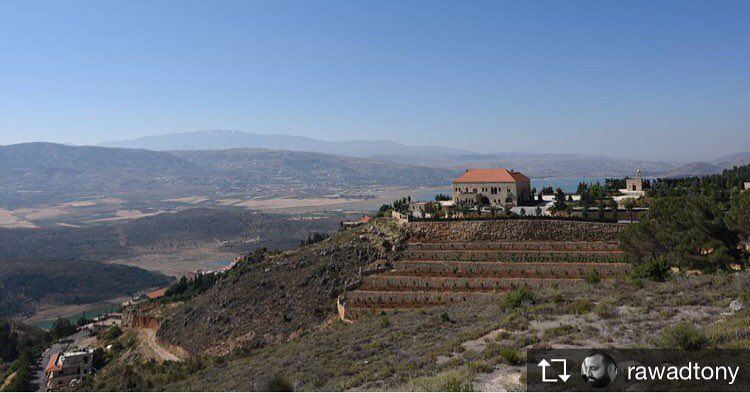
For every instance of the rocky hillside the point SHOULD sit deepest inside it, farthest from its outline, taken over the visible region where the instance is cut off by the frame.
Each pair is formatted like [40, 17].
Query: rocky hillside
[268, 300]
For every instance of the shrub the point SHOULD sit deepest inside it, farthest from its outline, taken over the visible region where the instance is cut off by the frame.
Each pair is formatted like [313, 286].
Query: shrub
[446, 318]
[384, 321]
[655, 270]
[454, 380]
[480, 366]
[518, 298]
[743, 286]
[562, 330]
[682, 336]
[580, 307]
[113, 333]
[557, 297]
[605, 310]
[454, 385]
[636, 282]
[279, 384]
[510, 355]
[593, 277]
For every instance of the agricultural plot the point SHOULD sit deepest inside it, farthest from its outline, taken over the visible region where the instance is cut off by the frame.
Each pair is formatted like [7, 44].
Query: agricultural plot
[427, 274]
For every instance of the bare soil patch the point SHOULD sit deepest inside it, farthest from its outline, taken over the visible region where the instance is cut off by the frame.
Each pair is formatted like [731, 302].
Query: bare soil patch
[9, 220]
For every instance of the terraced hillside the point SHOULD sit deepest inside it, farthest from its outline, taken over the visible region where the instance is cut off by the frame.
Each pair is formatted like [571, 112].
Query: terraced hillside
[425, 274]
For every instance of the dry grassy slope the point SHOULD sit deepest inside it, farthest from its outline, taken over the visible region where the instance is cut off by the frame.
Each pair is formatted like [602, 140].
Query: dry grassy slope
[266, 302]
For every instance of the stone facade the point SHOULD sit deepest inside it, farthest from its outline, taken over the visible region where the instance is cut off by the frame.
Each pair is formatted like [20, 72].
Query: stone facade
[496, 187]
[67, 369]
[635, 185]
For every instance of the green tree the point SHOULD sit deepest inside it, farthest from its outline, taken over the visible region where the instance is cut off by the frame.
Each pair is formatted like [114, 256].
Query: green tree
[738, 217]
[601, 209]
[690, 233]
[629, 206]
[82, 320]
[62, 327]
[560, 203]
[442, 197]
[613, 208]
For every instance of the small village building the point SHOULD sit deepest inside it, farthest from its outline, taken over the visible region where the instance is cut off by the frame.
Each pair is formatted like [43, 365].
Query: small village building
[635, 185]
[492, 186]
[358, 222]
[67, 369]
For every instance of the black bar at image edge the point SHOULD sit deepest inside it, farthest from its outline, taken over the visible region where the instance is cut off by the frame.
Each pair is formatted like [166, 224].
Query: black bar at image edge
[709, 370]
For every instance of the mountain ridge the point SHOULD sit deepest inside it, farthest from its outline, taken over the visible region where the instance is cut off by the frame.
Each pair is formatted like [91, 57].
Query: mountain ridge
[227, 139]
[35, 171]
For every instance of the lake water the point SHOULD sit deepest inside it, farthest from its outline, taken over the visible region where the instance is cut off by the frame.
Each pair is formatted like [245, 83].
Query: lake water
[567, 184]
[220, 263]
[90, 313]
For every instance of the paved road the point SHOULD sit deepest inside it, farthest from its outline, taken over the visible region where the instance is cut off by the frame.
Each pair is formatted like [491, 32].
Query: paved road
[38, 381]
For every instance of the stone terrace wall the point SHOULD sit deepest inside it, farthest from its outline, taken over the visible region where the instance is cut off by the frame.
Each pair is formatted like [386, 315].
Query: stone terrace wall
[513, 230]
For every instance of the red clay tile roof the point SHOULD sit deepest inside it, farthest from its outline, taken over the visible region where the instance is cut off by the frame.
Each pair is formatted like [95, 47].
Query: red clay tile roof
[490, 175]
[157, 293]
[365, 219]
[52, 364]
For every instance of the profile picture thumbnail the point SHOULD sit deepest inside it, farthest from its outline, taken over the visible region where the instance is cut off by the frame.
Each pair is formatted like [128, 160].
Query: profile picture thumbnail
[598, 370]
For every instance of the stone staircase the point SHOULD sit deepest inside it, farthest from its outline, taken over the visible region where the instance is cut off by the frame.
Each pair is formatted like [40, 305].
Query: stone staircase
[427, 274]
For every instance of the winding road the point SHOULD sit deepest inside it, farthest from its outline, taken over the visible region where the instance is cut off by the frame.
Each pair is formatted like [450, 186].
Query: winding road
[149, 336]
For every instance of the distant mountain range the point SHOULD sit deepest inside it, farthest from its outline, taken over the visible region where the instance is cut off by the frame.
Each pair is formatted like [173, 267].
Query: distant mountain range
[38, 170]
[34, 171]
[710, 168]
[534, 165]
[223, 139]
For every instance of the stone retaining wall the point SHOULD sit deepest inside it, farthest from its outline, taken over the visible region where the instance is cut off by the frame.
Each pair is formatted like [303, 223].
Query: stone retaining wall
[383, 299]
[512, 256]
[457, 284]
[528, 246]
[513, 269]
[513, 230]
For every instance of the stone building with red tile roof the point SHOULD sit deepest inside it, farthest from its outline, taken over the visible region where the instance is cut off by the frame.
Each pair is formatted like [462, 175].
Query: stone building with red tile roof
[492, 186]
[67, 369]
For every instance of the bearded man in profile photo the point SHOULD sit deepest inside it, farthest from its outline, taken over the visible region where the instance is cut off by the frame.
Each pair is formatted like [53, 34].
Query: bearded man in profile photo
[598, 370]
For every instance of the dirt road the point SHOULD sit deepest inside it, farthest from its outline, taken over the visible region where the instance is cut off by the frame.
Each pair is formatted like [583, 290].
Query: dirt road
[149, 337]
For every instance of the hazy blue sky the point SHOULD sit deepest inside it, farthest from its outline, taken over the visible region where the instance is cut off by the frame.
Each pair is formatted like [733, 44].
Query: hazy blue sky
[653, 79]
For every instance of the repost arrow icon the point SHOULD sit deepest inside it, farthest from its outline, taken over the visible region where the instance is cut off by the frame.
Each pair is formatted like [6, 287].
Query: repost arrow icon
[544, 364]
[564, 376]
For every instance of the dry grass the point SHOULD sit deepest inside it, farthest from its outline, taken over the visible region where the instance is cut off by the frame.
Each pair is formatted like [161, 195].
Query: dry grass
[423, 350]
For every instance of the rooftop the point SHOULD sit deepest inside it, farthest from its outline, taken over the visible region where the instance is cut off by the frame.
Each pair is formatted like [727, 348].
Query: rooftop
[52, 364]
[490, 175]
